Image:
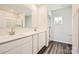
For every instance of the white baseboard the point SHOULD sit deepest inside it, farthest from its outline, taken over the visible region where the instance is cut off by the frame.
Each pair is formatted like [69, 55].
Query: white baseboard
[61, 41]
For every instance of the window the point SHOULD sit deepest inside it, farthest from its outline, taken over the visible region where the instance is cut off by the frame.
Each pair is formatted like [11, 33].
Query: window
[58, 20]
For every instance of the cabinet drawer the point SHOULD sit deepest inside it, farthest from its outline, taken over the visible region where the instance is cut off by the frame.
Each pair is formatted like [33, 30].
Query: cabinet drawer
[11, 45]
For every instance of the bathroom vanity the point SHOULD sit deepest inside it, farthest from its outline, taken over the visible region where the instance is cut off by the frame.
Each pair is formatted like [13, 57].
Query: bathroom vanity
[23, 43]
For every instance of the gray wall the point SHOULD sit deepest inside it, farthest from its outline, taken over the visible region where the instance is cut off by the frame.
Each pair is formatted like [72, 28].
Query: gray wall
[62, 32]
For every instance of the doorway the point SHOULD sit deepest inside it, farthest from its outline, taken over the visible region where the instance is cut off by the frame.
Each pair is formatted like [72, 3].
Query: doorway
[60, 24]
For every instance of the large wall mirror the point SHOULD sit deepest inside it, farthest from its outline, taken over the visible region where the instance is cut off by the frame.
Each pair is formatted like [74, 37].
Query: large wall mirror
[15, 15]
[14, 18]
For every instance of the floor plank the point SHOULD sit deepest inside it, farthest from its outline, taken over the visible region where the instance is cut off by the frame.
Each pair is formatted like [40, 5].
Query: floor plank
[58, 48]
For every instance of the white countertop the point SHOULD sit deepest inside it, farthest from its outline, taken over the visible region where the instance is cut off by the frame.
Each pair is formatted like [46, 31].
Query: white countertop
[6, 38]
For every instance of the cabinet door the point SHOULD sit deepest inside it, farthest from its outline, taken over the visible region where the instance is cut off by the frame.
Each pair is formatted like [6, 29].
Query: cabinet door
[35, 44]
[23, 49]
[11, 45]
[25, 46]
[41, 40]
[16, 50]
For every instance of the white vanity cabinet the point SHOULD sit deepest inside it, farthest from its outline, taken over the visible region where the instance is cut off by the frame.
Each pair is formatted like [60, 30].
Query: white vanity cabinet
[35, 44]
[22, 45]
[41, 40]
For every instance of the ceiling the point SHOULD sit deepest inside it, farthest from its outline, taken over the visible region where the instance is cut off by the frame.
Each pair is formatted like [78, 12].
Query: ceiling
[28, 8]
[57, 6]
[19, 8]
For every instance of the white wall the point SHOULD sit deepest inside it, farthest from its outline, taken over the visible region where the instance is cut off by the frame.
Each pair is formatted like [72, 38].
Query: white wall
[43, 17]
[40, 18]
[75, 31]
[62, 32]
[34, 17]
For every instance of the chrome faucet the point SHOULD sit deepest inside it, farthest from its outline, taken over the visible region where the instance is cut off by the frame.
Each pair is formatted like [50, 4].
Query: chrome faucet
[12, 32]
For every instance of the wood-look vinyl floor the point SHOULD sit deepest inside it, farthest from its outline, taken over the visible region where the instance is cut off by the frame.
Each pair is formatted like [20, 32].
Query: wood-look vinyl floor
[58, 48]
